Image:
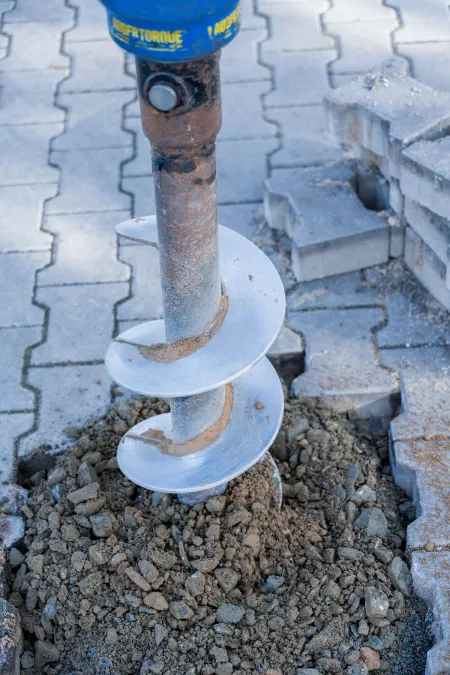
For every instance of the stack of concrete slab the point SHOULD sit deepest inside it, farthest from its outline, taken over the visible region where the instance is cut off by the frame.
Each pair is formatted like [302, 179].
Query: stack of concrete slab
[399, 127]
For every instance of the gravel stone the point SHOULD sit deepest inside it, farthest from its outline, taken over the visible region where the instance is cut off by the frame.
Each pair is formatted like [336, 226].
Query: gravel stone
[376, 603]
[180, 610]
[227, 613]
[400, 576]
[373, 521]
[227, 578]
[273, 582]
[363, 495]
[16, 558]
[45, 652]
[103, 524]
[137, 579]
[83, 494]
[156, 601]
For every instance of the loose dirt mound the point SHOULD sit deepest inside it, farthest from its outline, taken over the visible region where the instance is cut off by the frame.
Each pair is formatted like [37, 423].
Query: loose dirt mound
[117, 579]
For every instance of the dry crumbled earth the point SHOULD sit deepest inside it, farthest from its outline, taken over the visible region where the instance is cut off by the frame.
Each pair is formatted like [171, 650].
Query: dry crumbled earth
[113, 578]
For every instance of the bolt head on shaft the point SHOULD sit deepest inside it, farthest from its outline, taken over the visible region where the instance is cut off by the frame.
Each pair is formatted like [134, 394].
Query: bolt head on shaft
[163, 97]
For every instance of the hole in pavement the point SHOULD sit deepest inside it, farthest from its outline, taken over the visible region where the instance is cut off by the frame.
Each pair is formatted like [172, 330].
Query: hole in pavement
[371, 189]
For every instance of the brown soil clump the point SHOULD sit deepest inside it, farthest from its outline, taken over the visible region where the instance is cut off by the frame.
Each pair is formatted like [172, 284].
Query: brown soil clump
[117, 579]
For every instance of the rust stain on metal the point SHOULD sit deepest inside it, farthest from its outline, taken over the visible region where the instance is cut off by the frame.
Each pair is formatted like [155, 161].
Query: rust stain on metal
[169, 353]
[168, 447]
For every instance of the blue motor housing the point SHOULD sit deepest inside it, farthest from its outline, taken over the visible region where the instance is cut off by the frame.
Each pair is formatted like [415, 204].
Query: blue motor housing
[173, 30]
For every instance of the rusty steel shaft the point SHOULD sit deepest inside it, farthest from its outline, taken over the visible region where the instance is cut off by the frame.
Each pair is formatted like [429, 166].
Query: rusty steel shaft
[184, 173]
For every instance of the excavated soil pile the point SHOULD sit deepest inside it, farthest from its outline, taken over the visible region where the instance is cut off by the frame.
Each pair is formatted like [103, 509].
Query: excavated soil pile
[116, 579]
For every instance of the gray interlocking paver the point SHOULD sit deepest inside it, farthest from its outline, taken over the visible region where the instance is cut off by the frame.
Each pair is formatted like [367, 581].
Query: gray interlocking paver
[422, 23]
[240, 64]
[248, 17]
[363, 45]
[91, 22]
[424, 374]
[96, 66]
[133, 109]
[89, 181]
[81, 321]
[19, 270]
[36, 46]
[433, 229]
[28, 98]
[241, 103]
[344, 290]
[11, 427]
[421, 469]
[141, 165]
[71, 395]
[30, 11]
[141, 187]
[296, 27]
[429, 62]
[330, 230]
[341, 361]
[21, 216]
[85, 249]
[146, 298]
[93, 121]
[431, 575]
[13, 342]
[299, 81]
[28, 145]
[406, 325]
[241, 169]
[344, 11]
[243, 218]
[304, 141]
[427, 267]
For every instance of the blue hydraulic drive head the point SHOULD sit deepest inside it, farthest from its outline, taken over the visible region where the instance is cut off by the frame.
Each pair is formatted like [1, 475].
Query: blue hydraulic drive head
[173, 31]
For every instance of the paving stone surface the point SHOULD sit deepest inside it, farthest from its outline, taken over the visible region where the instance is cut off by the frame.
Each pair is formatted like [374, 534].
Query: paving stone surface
[89, 181]
[241, 168]
[406, 326]
[425, 385]
[349, 11]
[81, 322]
[27, 99]
[434, 26]
[431, 574]
[85, 249]
[341, 361]
[70, 396]
[13, 342]
[21, 217]
[96, 66]
[299, 81]
[11, 427]
[101, 128]
[45, 37]
[297, 27]
[338, 292]
[145, 302]
[421, 469]
[363, 45]
[304, 139]
[29, 146]
[19, 270]
[429, 60]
